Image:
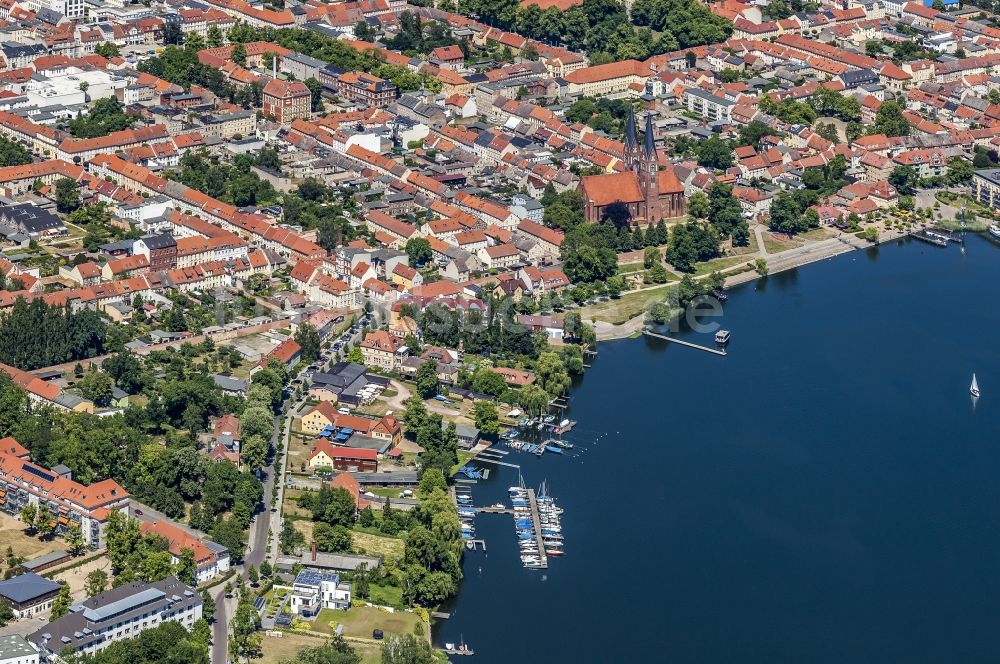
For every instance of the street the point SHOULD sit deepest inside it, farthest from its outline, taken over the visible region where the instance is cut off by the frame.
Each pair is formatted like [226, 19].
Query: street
[264, 521]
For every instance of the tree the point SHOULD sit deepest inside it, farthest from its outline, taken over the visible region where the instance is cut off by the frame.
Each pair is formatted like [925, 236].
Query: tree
[418, 251]
[334, 506]
[487, 381]
[6, 612]
[254, 452]
[239, 55]
[714, 152]
[414, 413]
[245, 641]
[74, 539]
[207, 606]
[96, 386]
[308, 338]
[426, 379]
[889, 120]
[334, 651]
[187, 568]
[61, 603]
[97, 583]
[904, 179]
[406, 649]
[697, 206]
[650, 257]
[107, 50]
[28, 514]
[486, 416]
[332, 539]
[291, 540]
[959, 170]
[253, 575]
[551, 374]
[230, 534]
[67, 195]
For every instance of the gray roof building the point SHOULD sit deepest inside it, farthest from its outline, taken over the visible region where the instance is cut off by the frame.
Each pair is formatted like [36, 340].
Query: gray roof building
[27, 590]
[120, 613]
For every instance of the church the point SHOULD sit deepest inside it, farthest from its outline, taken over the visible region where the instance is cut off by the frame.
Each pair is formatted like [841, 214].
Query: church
[650, 194]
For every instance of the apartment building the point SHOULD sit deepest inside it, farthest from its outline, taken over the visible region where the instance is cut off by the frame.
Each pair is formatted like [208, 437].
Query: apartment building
[381, 349]
[23, 482]
[121, 613]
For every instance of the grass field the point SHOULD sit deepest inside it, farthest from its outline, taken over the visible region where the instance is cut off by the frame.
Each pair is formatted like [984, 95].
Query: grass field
[361, 620]
[718, 265]
[773, 245]
[751, 248]
[283, 649]
[378, 545]
[12, 535]
[628, 306]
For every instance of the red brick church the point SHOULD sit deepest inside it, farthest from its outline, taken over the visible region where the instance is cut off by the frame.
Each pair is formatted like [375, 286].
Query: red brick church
[649, 193]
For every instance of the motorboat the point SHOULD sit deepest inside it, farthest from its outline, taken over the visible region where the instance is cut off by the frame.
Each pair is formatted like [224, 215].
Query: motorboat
[994, 230]
[974, 388]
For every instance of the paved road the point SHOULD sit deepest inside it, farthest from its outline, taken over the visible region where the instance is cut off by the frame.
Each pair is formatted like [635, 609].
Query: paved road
[258, 545]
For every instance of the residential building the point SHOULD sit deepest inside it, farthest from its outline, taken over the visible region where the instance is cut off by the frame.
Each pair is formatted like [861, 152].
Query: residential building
[366, 89]
[314, 591]
[159, 250]
[286, 100]
[120, 613]
[210, 558]
[325, 454]
[383, 351]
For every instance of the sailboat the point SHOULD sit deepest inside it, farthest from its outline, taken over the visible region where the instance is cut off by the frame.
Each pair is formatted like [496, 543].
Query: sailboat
[974, 388]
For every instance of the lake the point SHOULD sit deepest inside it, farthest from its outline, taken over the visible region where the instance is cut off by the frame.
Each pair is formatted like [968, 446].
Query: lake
[824, 493]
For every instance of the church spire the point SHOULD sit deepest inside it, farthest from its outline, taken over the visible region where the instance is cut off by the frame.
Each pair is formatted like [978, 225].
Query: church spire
[631, 143]
[650, 147]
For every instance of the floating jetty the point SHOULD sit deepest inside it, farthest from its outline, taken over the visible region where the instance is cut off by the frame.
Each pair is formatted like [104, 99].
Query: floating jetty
[935, 238]
[714, 351]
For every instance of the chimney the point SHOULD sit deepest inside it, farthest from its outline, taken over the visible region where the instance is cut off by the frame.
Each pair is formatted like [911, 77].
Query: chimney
[312, 550]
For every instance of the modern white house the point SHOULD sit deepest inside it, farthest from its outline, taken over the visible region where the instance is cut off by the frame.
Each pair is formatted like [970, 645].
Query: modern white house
[313, 591]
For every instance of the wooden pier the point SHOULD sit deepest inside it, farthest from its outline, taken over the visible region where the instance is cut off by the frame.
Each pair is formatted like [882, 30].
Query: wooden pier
[497, 462]
[714, 351]
[536, 521]
[493, 510]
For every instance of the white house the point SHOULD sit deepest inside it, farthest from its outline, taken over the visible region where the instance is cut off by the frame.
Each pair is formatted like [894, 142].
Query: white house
[313, 591]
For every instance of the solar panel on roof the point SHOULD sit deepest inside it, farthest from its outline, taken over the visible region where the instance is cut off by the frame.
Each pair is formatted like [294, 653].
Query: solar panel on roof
[48, 477]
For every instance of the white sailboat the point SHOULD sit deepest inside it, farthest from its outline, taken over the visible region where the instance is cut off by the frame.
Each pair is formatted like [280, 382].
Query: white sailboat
[974, 388]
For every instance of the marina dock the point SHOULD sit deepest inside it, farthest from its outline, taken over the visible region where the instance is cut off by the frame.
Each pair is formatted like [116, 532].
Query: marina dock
[537, 524]
[714, 351]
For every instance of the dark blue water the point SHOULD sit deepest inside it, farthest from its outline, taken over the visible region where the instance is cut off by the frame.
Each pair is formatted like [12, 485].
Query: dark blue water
[825, 493]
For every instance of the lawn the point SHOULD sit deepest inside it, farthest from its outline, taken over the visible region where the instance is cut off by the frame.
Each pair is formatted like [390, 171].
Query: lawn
[629, 268]
[751, 248]
[816, 234]
[385, 595]
[390, 548]
[290, 506]
[773, 245]
[12, 535]
[361, 620]
[628, 306]
[718, 265]
[284, 649]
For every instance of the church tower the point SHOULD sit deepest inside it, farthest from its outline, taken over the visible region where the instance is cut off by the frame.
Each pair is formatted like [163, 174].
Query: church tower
[646, 172]
[632, 150]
